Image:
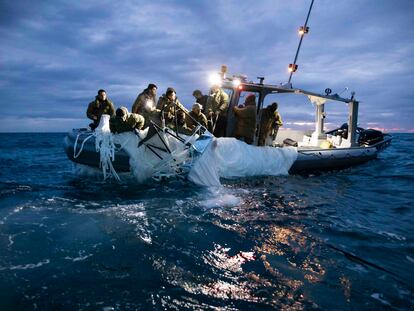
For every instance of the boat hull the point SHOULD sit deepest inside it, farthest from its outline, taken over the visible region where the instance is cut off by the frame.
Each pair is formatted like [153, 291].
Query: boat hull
[336, 158]
[308, 160]
[86, 154]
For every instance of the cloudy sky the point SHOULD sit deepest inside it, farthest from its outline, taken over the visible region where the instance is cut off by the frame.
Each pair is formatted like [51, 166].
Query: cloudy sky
[55, 55]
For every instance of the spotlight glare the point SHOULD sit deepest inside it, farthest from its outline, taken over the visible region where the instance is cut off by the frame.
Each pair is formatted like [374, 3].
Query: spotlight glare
[215, 79]
[236, 82]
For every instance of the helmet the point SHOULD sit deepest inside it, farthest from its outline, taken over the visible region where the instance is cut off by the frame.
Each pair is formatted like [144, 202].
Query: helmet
[197, 93]
[122, 112]
[169, 91]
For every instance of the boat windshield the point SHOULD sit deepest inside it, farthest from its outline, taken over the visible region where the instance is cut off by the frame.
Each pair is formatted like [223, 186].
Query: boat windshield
[228, 92]
[245, 94]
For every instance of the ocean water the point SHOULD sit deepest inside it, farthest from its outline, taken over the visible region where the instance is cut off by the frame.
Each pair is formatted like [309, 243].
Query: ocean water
[336, 241]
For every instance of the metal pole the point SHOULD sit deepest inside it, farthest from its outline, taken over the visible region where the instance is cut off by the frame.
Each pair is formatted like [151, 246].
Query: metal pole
[300, 41]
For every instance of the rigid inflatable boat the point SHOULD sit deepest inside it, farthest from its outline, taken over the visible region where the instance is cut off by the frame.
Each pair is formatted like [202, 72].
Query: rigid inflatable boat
[315, 151]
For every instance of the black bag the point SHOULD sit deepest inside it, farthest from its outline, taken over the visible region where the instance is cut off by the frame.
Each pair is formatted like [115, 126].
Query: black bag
[370, 137]
[290, 142]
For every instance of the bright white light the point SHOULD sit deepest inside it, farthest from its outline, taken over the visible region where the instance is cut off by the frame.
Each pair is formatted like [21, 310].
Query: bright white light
[215, 79]
[149, 105]
[236, 82]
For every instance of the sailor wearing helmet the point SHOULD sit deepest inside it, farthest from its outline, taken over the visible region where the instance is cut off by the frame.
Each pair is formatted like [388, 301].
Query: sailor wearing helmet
[123, 121]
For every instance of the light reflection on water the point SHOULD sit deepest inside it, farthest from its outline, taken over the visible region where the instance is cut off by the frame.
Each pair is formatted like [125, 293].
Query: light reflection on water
[234, 280]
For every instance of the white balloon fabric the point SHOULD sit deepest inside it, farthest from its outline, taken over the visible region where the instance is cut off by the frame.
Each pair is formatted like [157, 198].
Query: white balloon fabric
[222, 158]
[232, 158]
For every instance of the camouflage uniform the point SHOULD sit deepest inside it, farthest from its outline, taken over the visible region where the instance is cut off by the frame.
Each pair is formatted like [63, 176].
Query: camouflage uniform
[181, 128]
[169, 107]
[143, 102]
[216, 110]
[217, 102]
[131, 122]
[200, 118]
[270, 122]
[277, 122]
[97, 108]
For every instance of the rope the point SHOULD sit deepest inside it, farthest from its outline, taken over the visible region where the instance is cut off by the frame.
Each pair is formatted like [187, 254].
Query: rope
[105, 146]
[75, 155]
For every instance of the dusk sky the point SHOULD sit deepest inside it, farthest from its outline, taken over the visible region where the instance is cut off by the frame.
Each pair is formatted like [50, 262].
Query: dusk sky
[55, 55]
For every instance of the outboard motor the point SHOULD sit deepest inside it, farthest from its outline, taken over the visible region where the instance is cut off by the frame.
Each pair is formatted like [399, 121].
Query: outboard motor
[370, 137]
[343, 131]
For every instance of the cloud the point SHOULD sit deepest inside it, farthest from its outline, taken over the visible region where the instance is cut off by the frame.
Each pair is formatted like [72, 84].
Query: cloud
[55, 55]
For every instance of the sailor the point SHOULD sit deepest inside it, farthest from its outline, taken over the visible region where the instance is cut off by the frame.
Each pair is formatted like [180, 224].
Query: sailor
[194, 116]
[277, 122]
[123, 121]
[145, 99]
[179, 124]
[201, 99]
[270, 123]
[145, 105]
[101, 105]
[151, 115]
[216, 111]
[246, 120]
[169, 105]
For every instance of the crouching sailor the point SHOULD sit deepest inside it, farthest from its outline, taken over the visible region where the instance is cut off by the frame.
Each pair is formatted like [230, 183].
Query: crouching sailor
[101, 105]
[195, 117]
[179, 125]
[123, 121]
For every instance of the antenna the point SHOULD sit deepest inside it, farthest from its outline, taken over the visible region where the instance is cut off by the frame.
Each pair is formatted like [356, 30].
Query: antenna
[302, 31]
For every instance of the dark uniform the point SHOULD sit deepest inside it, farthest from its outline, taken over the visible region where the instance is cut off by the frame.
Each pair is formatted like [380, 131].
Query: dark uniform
[246, 120]
[97, 108]
[200, 118]
[201, 99]
[152, 116]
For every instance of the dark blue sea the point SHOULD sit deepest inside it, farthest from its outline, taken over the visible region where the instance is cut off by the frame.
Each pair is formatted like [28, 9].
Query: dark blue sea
[336, 241]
